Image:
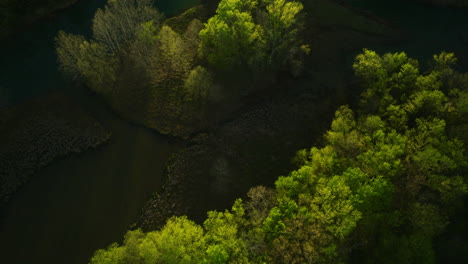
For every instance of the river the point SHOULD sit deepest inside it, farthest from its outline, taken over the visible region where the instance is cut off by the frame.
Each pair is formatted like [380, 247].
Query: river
[83, 202]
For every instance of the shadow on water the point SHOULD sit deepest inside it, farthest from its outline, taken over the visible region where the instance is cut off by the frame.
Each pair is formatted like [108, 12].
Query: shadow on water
[83, 202]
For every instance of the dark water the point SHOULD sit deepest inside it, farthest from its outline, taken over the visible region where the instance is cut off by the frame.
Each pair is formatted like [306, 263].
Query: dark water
[84, 202]
[427, 30]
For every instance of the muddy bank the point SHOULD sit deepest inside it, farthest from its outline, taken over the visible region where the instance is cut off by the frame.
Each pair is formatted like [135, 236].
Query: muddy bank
[251, 150]
[35, 133]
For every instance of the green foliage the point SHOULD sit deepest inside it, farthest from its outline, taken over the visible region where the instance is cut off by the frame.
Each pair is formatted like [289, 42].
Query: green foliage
[97, 67]
[229, 38]
[263, 35]
[68, 53]
[281, 29]
[119, 25]
[88, 61]
[382, 188]
[191, 34]
[116, 24]
[112, 255]
[411, 154]
[180, 241]
[197, 87]
[179, 23]
[147, 71]
[225, 245]
[171, 57]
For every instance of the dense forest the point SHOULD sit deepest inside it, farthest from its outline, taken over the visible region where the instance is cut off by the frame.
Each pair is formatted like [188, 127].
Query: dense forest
[161, 72]
[384, 185]
[387, 179]
[385, 182]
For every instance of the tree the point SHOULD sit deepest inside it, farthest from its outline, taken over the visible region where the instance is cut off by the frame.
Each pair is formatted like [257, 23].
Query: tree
[116, 24]
[261, 34]
[386, 78]
[179, 242]
[231, 36]
[68, 53]
[142, 50]
[98, 68]
[197, 88]
[281, 30]
[192, 35]
[380, 190]
[88, 61]
[223, 236]
[173, 51]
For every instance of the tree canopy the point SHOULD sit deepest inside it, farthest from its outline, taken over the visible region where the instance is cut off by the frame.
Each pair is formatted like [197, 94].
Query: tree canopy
[382, 187]
[261, 34]
[140, 64]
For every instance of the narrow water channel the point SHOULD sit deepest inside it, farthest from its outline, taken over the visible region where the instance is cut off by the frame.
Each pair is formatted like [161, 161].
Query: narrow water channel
[83, 202]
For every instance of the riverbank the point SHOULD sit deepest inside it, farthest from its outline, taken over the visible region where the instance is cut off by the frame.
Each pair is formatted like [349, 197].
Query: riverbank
[141, 103]
[35, 133]
[256, 143]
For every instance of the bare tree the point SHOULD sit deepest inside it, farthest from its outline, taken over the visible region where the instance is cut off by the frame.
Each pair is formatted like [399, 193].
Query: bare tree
[116, 24]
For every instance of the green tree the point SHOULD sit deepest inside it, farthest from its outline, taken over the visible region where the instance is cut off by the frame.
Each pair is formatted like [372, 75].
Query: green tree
[261, 34]
[197, 87]
[231, 36]
[180, 241]
[281, 30]
[68, 53]
[172, 54]
[380, 190]
[192, 35]
[223, 236]
[98, 68]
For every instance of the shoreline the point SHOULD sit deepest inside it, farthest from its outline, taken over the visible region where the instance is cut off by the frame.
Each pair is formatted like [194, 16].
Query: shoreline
[36, 133]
